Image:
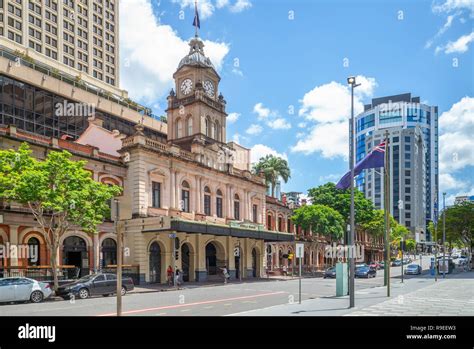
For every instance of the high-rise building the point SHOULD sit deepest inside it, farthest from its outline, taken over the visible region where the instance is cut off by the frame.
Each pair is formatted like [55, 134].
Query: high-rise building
[78, 37]
[413, 133]
[460, 199]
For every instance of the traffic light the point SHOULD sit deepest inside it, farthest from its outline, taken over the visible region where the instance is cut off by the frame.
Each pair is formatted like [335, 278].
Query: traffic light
[176, 255]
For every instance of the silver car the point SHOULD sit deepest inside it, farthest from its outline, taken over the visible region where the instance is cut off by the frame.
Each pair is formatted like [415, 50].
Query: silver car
[17, 289]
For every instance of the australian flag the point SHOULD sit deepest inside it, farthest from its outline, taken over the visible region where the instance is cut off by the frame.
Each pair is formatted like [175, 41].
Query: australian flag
[196, 22]
[376, 158]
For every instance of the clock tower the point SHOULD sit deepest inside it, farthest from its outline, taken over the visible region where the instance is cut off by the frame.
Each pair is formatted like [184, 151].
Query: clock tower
[196, 109]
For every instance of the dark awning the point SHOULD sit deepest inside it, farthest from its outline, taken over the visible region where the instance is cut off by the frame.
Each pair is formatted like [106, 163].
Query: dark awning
[220, 230]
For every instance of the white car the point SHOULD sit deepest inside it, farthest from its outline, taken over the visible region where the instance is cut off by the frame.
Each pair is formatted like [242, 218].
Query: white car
[17, 289]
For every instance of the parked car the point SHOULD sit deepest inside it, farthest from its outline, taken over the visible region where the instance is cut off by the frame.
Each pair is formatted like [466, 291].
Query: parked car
[375, 265]
[104, 284]
[330, 272]
[17, 289]
[396, 263]
[382, 264]
[413, 269]
[359, 265]
[365, 272]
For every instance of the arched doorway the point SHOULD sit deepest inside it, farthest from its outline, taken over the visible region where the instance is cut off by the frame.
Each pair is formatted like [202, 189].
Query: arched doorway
[185, 262]
[155, 262]
[254, 263]
[237, 261]
[211, 259]
[109, 252]
[75, 253]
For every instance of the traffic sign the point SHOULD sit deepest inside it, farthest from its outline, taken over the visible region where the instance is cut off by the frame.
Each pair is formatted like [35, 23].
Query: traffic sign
[299, 250]
[172, 235]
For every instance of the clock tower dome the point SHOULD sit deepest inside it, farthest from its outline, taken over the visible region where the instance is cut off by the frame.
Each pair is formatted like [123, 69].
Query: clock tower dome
[196, 109]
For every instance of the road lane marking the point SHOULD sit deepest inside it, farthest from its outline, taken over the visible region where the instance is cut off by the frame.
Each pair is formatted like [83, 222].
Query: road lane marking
[192, 304]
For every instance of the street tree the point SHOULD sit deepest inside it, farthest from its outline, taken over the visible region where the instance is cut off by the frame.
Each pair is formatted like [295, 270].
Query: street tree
[59, 192]
[320, 219]
[340, 200]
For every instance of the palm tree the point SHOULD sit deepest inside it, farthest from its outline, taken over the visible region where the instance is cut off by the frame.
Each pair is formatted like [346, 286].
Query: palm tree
[273, 167]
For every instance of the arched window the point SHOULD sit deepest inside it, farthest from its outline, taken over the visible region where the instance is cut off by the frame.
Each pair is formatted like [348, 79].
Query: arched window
[217, 131]
[214, 130]
[34, 252]
[280, 223]
[185, 196]
[236, 207]
[208, 127]
[179, 128]
[219, 203]
[269, 221]
[189, 126]
[207, 201]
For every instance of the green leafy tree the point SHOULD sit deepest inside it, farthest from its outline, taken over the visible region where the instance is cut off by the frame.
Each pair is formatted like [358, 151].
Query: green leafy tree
[320, 219]
[340, 200]
[398, 232]
[273, 168]
[59, 192]
[459, 224]
[375, 228]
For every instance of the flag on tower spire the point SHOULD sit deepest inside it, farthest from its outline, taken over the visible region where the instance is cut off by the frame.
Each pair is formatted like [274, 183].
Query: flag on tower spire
[196, 22]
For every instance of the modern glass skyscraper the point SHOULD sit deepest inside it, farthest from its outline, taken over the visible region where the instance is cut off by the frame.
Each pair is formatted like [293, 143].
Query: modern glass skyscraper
[413, 133]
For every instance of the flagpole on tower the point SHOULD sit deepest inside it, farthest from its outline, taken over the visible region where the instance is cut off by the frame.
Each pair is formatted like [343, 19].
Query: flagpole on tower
[196, 16]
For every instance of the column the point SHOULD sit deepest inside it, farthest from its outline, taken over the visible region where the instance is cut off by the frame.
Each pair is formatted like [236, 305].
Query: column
[176, 189]
[96, 254]
[13, 242]
[172, 189]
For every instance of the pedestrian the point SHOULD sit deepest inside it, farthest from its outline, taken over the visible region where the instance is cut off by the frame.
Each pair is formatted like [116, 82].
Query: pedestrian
[226, 274]
[169, 273]
[285, 270]
[178, 278]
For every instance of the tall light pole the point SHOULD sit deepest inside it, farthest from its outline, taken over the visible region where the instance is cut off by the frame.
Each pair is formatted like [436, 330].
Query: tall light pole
[444, 236]
[352, 81]
[118, 231]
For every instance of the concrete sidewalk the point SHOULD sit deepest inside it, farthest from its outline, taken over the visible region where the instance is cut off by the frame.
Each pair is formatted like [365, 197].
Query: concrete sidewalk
[415, 297]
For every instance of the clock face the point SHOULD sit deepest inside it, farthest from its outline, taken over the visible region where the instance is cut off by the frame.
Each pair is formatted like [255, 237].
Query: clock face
[186, 86]
[209, 88]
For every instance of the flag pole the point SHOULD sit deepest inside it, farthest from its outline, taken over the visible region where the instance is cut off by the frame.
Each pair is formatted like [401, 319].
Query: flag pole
[387, 214]
[195, 18]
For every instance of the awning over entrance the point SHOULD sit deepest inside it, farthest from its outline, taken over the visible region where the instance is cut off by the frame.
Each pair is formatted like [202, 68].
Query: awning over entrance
[222, 230]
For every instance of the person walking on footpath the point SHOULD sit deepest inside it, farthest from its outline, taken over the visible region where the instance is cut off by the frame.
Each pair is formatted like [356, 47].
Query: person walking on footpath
[169, 273]
[178, 278]
[226, 274]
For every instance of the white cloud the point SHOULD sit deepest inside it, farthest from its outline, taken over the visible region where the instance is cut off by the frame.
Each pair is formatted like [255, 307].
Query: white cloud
[233, 117]
[261, 111]
[142, 74]
[206, 8]
[260, 150]
[331, 139]
[302, 124]
[254, 129]
[240, 5]
[442, 30]
[461, 45]
[452, 5]
[456, 142]
[279, 124]
[328, 106]
[448, 182]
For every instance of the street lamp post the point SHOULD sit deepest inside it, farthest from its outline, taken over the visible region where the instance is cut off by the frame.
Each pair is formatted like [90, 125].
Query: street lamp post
[444, 236]
[352, 81]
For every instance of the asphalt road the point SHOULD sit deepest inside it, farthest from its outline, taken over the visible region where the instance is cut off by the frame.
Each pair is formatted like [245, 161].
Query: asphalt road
[201, 301]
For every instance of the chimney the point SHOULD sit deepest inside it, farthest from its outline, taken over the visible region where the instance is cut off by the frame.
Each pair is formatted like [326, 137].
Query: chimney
[283, 199]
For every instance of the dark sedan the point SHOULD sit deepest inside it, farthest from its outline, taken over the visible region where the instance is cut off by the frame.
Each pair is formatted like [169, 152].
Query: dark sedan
[95, 284]
[365, 272]
[330, 272]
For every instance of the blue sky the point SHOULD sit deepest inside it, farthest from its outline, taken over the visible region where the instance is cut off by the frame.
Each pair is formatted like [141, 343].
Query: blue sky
[284, 65]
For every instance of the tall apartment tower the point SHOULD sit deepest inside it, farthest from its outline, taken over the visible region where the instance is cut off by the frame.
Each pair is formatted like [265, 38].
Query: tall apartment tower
[413, 134]
[78, 37]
